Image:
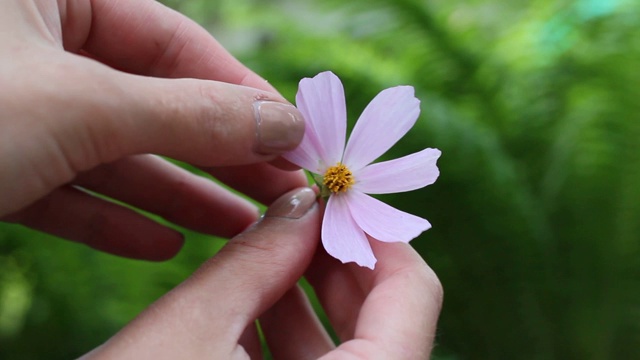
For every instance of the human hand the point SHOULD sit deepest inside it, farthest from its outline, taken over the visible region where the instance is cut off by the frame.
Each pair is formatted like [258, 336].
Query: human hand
[69, 121]
[386, 313]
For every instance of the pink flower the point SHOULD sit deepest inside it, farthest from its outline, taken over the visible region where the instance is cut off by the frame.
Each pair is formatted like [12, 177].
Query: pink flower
[347, 172]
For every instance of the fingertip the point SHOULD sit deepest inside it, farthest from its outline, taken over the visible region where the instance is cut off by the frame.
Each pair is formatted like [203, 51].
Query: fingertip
[157, 244]
[292, 205]
[166, 249]
[280, 127]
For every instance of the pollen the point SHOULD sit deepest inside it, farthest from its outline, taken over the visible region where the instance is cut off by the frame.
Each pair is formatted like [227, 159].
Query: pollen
[338, 178]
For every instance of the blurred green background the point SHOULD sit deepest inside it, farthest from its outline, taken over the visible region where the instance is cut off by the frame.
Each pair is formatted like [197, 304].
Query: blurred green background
[536, 214]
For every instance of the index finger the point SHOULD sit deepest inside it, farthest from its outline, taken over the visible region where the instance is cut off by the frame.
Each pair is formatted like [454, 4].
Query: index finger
[147, 38]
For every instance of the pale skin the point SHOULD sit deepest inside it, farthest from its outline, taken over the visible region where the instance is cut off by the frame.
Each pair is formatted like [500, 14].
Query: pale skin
[91, 88]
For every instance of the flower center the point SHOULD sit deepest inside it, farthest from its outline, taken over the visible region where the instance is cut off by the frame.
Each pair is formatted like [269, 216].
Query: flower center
[338, 178]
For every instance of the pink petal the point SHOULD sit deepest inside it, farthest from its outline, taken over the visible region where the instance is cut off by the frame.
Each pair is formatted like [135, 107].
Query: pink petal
[383, 122]
[307, 155]
[321, 102]
[407, 173]
[342, 237]
[383, 222]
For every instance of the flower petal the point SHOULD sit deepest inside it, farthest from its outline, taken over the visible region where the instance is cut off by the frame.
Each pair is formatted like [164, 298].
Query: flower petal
[407, 173]
[341, 236]
[307, 155]
[322, 104]
[383, 122]
[383, 222]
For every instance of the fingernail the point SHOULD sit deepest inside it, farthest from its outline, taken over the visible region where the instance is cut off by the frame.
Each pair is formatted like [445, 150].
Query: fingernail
[293, 204]
[280, 127]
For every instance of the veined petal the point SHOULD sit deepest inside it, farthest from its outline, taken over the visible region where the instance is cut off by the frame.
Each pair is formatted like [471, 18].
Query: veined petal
[407, 173]
[383, 222]
[307, 155]
[321, 101]
[341, 236]
[383, 122]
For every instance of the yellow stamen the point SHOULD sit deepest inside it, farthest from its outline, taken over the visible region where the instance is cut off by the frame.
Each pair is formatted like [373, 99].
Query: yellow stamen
[338, 178]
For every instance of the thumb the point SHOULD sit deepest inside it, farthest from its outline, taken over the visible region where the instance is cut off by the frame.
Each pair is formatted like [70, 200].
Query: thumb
[203, 122]
[231, 290]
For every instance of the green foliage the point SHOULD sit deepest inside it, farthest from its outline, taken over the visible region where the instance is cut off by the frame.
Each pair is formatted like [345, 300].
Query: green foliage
[536, 233]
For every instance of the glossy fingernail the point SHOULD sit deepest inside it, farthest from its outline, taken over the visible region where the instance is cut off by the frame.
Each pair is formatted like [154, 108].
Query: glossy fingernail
[292, 205]
[280, 127]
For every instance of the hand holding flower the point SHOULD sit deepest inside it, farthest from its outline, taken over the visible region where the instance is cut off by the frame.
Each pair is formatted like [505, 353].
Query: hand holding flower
[388, 313]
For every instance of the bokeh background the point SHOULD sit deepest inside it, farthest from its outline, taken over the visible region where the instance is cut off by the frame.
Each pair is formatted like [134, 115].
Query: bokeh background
[536, 215]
